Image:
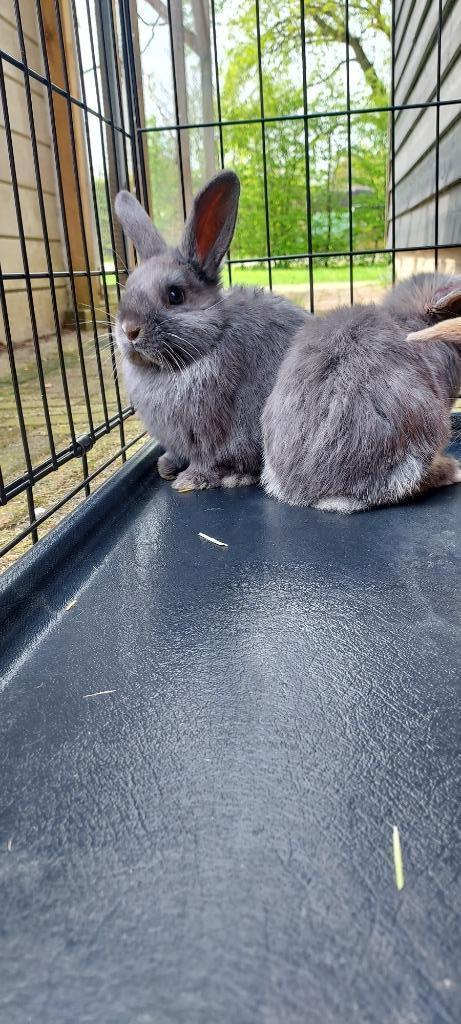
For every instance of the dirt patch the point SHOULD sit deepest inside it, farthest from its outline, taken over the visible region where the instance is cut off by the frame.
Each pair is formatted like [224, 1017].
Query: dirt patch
[328, 296]
[14, 516]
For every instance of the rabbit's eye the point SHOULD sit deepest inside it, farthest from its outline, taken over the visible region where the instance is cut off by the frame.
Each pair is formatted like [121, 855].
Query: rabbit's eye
[175, 295]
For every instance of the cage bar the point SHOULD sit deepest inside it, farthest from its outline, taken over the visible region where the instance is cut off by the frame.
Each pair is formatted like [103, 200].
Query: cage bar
[312, 115]
[263, 143]
[437, 133]
[113, 107]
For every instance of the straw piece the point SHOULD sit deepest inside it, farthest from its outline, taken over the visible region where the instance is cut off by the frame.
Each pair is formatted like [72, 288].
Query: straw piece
[398, 860]
[99, 693]
[212, 540]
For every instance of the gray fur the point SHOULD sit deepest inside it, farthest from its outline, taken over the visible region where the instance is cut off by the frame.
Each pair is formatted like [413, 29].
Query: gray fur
[359, 414]
[138, 226]
[199, 373]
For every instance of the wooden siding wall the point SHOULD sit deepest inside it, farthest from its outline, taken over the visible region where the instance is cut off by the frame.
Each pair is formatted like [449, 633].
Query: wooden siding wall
[10, 250]
[415, 133]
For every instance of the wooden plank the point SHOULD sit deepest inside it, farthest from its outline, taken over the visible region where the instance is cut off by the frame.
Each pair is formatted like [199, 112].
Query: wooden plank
[17, 108]
[418, 27]
[24, 163]
[11, 259]
[403, 12]
[202, 32]
[403, 9]
[422, 140]
[142, 139]
[162, 10]
[418, 82]
[416, 227]
[409, 119]
[177, 27]
[10, 252]
[417, 79]
[425, 87]
[18, 313]
[10, 43]
[30, 214]
[16, 287]
[28, 16]
[16, 75]
[422, 32]
[415, 130]
[406, 264]
[117, 147]
[75, 228]
[419, 184]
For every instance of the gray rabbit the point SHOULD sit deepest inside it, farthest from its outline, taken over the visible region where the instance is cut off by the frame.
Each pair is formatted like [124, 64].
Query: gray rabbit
[199, 362]
[359, 415]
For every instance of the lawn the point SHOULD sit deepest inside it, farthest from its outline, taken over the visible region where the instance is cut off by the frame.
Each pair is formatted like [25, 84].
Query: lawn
[14, 516]
[378, 273]
[258, 275]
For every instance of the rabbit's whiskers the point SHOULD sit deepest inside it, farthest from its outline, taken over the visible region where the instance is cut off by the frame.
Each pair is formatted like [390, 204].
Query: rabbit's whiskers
[119, 260]
[173, 358]
[187, 347]
[98, 309]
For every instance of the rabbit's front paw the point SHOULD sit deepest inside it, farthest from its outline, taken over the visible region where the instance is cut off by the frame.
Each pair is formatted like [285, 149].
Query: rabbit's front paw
[193, 479]
[168, 466]
[239, 480]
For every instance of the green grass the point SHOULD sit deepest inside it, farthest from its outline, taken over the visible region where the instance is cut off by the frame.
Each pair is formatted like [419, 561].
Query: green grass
[257, 275]
[299, 275]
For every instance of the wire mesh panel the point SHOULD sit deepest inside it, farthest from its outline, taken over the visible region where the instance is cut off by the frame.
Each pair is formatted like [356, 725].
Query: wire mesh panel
[67, 145]
[313, 106]
[342, 120]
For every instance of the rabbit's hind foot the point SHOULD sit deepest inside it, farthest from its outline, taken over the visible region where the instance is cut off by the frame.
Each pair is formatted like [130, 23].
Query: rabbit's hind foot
[169, 465]
[443, 471]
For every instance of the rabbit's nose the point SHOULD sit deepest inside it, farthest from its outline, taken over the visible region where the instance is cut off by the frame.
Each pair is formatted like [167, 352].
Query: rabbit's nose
[131, 330]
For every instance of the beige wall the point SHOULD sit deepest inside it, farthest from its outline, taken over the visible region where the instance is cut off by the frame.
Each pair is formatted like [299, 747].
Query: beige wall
[449, 262]
[10, 250]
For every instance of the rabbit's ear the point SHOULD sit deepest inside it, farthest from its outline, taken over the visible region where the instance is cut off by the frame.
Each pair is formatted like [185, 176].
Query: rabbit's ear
[138, 226]
[211, 223]
[446, 330]
[447, 298]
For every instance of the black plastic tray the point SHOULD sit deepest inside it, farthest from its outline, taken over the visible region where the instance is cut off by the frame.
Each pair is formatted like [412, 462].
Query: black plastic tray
[212, 840]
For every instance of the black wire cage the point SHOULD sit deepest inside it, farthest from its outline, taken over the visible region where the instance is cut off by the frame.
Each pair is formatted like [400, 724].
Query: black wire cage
[78, 125]
[229, 772]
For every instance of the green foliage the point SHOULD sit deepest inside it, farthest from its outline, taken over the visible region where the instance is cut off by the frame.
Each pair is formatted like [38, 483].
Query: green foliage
[297, 149]
[163, 169]
[327, 136]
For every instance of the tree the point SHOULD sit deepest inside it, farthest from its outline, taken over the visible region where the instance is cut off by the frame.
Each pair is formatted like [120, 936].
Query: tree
[327, 136]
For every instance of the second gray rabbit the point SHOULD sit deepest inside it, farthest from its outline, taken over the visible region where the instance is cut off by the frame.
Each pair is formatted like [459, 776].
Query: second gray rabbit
[359, 415]
[199, 362]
